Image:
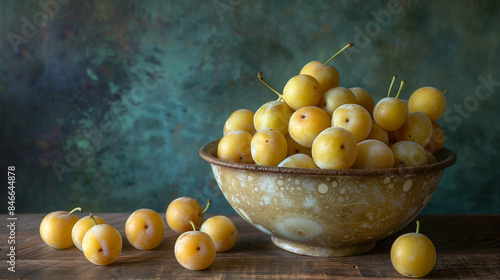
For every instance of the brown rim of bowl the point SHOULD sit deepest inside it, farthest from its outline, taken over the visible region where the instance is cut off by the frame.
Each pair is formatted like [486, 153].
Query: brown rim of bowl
[445, 159]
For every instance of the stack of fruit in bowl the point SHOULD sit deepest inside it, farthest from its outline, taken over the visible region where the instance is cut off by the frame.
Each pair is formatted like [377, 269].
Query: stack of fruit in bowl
[316, 123]
[327, 171]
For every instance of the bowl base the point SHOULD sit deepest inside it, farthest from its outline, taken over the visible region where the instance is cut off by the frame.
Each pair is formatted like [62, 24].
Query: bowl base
[318, 251]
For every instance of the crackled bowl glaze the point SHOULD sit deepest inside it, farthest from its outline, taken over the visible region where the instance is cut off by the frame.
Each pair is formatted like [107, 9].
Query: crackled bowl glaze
[320, 212]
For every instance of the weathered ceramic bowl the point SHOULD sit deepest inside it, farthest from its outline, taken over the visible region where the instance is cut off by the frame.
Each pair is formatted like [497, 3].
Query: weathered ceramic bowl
[321, 212]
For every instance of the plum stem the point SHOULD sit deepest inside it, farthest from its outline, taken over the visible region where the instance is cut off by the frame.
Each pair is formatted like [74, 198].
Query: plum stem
[343, 49]
[403, 82]
[206, 208]
[446, 91]
[77, 208]
[418, 226]
[392, 83]
[195, 228]
[93, 219]
[261, 78]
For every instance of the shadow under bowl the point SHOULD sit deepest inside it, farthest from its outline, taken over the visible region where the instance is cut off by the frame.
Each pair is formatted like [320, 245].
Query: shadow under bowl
[326, 212]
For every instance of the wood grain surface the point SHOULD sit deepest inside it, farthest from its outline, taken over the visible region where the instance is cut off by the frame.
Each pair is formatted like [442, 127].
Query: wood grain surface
[468, 247]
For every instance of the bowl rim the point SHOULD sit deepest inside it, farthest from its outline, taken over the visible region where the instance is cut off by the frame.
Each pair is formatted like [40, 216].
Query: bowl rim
[445, 158]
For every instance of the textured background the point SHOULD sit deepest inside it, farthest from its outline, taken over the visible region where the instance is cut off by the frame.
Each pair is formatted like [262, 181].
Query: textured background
[120, 95]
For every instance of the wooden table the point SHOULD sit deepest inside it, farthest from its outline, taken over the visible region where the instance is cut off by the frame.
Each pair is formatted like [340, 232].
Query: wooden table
[468, 246]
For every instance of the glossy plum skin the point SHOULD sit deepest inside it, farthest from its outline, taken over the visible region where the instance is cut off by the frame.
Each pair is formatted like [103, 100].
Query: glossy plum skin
[222, 231]
[413, 255]
[56, 227]
[180, 211]
[144, 229]
[102, 244]
[81, 227]
[334, 148]
[195, 250]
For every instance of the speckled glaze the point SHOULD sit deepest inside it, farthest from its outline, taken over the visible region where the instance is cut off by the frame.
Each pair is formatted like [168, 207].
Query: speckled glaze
[326, 212]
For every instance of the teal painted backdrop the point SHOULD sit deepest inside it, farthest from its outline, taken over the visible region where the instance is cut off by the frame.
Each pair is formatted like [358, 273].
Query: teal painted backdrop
[104, 104]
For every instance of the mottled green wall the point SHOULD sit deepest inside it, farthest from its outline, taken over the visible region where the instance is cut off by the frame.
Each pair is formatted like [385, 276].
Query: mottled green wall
[120, 95]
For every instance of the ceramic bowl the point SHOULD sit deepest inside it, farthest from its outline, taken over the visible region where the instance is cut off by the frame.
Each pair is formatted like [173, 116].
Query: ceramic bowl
[321, 212]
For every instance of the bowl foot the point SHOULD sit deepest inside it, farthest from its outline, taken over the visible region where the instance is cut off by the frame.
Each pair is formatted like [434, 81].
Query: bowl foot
[318, 251]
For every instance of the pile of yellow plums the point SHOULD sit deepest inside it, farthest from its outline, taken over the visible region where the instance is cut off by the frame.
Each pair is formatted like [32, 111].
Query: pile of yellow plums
[196, 247]
[316, 123]
[101, 243]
